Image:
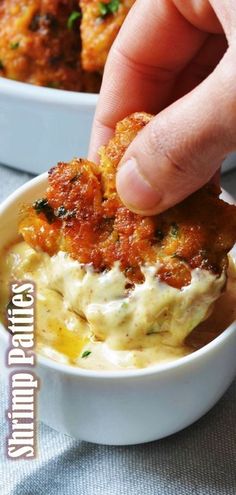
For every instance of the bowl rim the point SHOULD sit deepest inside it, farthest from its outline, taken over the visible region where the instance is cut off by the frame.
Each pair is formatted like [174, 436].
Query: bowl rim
[41, 94]
[110, 374]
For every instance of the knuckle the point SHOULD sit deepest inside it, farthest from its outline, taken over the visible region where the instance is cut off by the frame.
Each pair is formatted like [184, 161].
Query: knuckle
[179, 161]
[227, 82]
[157, 145]
[151, 141]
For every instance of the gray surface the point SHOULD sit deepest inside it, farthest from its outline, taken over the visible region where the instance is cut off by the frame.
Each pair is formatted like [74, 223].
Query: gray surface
[10, 180]
[197, 461]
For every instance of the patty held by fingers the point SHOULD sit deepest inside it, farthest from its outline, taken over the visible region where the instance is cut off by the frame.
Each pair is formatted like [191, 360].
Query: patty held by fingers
[82, 214]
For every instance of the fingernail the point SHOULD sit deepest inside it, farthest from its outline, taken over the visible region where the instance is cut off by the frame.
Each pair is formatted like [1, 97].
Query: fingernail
[134, 189]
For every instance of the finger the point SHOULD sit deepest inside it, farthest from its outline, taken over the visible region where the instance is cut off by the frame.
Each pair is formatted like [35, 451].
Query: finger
[181, 148]
[153, 46]
[201, 14]
[203, 64]
[226, 13]
[216, 177]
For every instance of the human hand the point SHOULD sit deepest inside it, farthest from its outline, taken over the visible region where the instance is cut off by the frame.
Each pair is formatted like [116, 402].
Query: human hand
[175, 59]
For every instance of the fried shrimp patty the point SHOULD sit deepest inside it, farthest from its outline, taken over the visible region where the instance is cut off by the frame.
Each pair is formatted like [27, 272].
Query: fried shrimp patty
[58, 43]
[39, 45]
[100, 24]
[82, 215]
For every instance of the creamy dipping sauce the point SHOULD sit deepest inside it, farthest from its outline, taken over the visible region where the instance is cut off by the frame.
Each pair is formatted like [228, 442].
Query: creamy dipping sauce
[90, 320]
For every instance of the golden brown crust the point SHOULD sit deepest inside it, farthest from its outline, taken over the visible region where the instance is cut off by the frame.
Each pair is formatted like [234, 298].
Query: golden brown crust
[111, 154]
[98, 32]
[36, 45]
[91, 223]
[39, 45]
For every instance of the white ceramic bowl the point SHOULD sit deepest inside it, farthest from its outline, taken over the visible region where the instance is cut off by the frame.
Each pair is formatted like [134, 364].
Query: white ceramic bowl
[41, 126]
[123, 407]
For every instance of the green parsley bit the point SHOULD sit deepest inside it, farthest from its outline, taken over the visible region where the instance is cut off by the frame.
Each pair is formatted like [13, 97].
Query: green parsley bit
[114, 6]
[108, 8]
[86, 354]
[72, 18]
[42, 206]
[159, 235]
[1, 65]
[178, 257]
[174, 230]
[53, 84]
[61, 211]
[103, 9]
[14, 45]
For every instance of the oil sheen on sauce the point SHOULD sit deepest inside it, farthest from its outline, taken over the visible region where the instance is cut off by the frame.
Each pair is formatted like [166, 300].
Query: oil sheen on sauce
[64, 335]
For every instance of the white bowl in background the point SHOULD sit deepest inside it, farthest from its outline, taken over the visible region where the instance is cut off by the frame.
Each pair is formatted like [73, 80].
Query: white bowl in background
[41, 126]
[123, 407]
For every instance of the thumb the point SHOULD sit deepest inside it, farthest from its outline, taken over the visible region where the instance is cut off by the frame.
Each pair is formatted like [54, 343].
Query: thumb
[182, 147]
